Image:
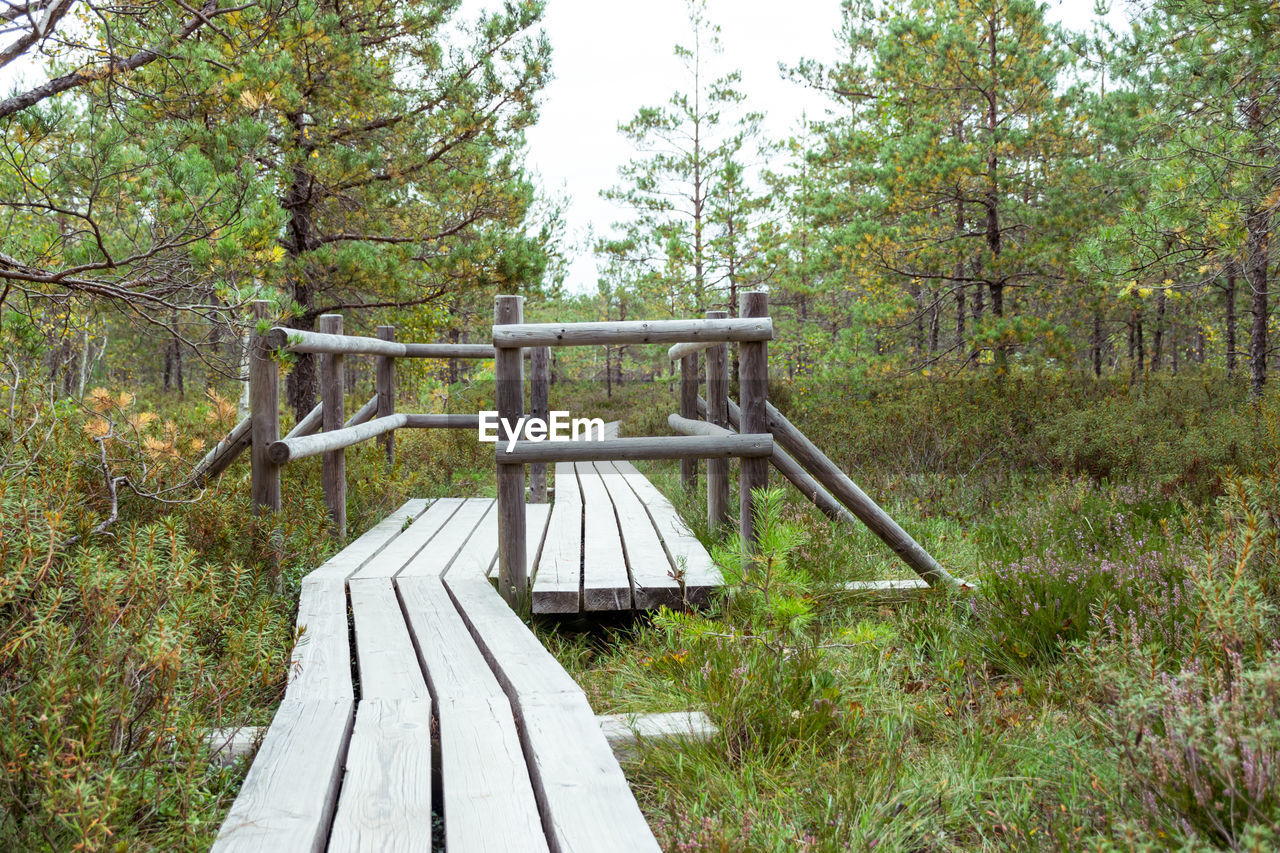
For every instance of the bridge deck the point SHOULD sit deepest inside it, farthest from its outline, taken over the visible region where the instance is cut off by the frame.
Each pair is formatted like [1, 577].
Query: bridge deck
[447, 687]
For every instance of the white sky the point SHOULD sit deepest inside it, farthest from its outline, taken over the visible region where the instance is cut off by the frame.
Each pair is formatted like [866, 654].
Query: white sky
[612, 57]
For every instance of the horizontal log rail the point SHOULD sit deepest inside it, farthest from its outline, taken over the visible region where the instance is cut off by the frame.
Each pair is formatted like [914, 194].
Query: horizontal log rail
[291, 449]
[223, 453]
[442, 421]
[631, 332]
[679, 351]
[620, 449]
[301, 341]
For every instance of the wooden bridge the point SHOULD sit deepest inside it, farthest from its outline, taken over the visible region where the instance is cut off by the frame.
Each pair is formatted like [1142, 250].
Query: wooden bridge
[451, 724]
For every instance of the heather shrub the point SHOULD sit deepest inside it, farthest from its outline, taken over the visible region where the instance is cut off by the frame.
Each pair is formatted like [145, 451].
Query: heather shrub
[1201, 751]
[1095, 564]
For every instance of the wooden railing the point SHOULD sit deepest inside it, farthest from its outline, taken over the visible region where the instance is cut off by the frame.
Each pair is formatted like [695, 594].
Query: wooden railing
[763, 436]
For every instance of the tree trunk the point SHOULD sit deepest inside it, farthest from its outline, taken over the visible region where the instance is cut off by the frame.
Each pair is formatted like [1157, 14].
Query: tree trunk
[1257, 244]
[1230, 321]
[1157, 342]
[1097, 343]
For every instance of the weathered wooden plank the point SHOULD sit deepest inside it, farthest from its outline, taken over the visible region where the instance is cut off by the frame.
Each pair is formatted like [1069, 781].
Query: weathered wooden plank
[558, 581]
[626, 732]
[388, 664]
[410, 541]
[477, 553]
[385, 804]
[586, 801]
[435, 560]
[488, 797]
[683, 548]
[287, 799]
[652, 575]
[650, 447]
[606, 584]
[535, 532]
[321, 664]
[351, 558]
[519, 660]
[516, 334]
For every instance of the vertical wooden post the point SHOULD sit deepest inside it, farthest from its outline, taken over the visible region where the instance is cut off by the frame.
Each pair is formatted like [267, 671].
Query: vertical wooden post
[689, 409]
[264, 408]
[753, 393]
[718, 414]
[513, 567]
[386, 384]
[540, 403]
[332, 401]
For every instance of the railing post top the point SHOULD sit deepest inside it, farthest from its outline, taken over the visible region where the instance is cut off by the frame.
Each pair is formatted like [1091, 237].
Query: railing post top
[330, 323]
[753, 303]
[717, 315]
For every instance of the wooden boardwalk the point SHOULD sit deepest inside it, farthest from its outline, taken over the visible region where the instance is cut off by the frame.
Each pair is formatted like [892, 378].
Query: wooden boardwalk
[448, 687]
[614, 542]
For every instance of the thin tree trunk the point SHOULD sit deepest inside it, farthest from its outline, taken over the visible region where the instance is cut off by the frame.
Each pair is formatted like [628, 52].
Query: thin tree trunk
[1097, 343]
[1157, 353]
[1230, 321]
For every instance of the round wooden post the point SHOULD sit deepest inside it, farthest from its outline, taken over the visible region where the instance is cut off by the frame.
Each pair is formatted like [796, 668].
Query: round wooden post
[332, 401]
[264, 409]
[513, 567]
[386, 385]
[539, 402]
[718, 414]
[753, 392]
[689, 409]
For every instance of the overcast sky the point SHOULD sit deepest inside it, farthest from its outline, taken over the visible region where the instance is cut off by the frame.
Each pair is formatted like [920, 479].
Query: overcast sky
[611, 57]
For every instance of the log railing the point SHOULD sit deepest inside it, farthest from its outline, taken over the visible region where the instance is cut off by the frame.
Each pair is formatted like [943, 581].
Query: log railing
[762, 437]
[752, 330]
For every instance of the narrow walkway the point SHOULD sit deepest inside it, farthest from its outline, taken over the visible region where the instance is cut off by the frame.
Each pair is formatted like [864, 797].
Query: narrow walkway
[449, 687]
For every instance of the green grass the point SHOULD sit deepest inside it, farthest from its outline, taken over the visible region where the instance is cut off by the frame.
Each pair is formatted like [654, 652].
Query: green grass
[957, 723]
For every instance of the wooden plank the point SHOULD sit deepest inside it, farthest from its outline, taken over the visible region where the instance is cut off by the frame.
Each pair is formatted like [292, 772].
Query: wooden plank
[385, 804]
[586, 802]
[451, 537]
[481, 758]
[388, 664]
[683, 548]
[412, 540]
[557, 582]
[626, 732]
[758, 445]
[519, 660]
[536, 531]
[613, 333]
[605, 582]
[371, 543]
[287, 799]
[477, 553]
[650, 568]
[321, 663]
